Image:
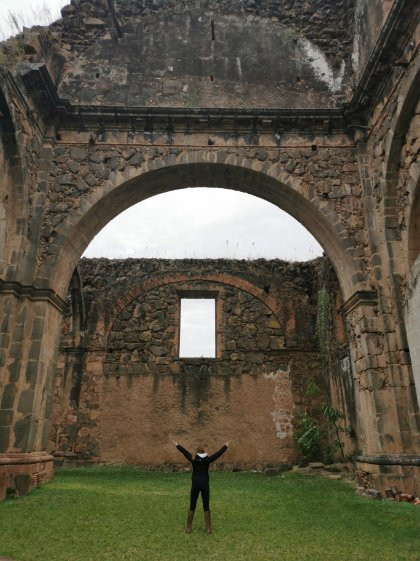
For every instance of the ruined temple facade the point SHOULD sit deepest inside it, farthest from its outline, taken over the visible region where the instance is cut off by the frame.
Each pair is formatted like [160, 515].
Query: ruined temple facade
[312, 106]
[122, 391]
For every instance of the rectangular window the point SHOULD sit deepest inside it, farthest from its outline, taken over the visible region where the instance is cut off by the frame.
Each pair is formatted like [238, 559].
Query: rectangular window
[198, 328]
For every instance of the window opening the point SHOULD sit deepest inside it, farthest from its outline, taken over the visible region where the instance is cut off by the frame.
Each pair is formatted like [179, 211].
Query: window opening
[198, 328]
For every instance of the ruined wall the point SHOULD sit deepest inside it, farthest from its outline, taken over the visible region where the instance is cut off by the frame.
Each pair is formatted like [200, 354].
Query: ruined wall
[194, 55]
[137, 394]
[369, 19]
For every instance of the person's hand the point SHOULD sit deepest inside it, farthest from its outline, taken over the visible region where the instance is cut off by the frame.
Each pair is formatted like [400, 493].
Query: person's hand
[227, 443]
[175, 442]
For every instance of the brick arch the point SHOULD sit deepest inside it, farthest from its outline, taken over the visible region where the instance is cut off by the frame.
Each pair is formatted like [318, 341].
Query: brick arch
[204, 168]
[221, 278]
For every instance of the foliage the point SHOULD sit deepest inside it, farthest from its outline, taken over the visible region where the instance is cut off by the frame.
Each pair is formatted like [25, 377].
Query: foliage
[313, 440]
[109, 514]
[309, 438]
[323, 328]
[312, 389]
[335, 421]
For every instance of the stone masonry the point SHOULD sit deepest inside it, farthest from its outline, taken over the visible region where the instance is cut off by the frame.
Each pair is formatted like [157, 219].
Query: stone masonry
[119, 101]
[122, 392]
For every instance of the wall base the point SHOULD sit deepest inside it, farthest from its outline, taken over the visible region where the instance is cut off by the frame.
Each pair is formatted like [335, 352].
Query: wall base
[405, 475]
[21, 472]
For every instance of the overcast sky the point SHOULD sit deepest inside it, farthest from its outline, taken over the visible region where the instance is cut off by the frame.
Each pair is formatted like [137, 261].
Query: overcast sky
[198, 328]
[29, 12]
[189, 222]
[203, 222]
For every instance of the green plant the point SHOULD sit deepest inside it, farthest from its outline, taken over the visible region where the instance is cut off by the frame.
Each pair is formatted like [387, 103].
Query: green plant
[312, 389]
[323, 329]
[335, 421]
[308, 437]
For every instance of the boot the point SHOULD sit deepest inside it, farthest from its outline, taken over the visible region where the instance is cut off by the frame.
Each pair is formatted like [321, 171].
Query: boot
[208, 521]
[189, 521]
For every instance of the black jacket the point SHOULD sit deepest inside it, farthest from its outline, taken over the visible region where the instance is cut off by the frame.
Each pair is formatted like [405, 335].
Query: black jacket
[200, 474]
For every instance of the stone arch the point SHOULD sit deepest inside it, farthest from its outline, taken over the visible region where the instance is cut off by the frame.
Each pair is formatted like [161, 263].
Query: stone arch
[266, 180]
[222, 278]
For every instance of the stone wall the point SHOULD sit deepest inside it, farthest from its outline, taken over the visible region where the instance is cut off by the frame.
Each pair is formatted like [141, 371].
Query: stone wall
[252, 54]
[370, 17]
[200, 53]
[136, 394]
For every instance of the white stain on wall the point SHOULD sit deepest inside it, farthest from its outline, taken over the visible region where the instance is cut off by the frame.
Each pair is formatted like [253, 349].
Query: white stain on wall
[283, 403]
[321, 67]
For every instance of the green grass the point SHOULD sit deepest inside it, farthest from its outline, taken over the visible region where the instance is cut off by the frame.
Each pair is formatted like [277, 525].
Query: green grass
[122, 514]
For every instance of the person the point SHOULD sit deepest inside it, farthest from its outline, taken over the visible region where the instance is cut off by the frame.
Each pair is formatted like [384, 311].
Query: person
[200, 481]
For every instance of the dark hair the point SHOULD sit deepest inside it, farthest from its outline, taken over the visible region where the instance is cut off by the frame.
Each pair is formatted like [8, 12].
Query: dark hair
[200, 450]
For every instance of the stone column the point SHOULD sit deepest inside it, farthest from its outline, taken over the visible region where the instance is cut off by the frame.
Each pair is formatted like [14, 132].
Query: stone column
[29, 333]
[387, 422]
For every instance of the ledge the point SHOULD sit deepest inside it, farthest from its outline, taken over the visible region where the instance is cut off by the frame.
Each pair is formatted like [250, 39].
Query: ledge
[34, 294]
[390, 460]
[21, 458]
[360, 298]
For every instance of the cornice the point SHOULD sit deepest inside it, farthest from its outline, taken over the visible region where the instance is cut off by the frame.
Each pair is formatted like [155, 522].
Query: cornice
[33, 293]
[361, 298]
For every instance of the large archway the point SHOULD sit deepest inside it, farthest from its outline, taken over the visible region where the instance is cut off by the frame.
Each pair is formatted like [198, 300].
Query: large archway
[123, 190]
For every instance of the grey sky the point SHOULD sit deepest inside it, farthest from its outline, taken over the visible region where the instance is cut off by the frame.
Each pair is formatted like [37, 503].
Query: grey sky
[190, 222]
[203, 222]
[28, 11]
[198, 328]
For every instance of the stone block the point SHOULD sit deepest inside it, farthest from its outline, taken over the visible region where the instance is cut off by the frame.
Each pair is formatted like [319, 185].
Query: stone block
[8, 397]
[4, 439]
[26, 400]
[94, 23]
[6, 417]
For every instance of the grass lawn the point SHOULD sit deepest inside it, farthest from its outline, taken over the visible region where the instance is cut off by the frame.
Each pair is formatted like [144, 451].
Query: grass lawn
[122, 514]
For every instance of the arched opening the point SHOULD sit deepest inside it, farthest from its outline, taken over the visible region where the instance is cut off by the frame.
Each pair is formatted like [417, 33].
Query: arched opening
[204, 223]
[121, 192]
[260, 325]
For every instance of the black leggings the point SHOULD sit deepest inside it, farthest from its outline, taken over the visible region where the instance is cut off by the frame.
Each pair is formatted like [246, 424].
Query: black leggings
[205, 496]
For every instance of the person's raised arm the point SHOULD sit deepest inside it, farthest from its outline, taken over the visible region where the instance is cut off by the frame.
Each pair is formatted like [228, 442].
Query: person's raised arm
[183, 451]
[217, 454]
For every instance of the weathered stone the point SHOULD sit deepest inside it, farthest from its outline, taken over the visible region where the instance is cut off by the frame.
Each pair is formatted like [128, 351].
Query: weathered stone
[73, 166]
[66, 179]
[79, 154]
[94, 22]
